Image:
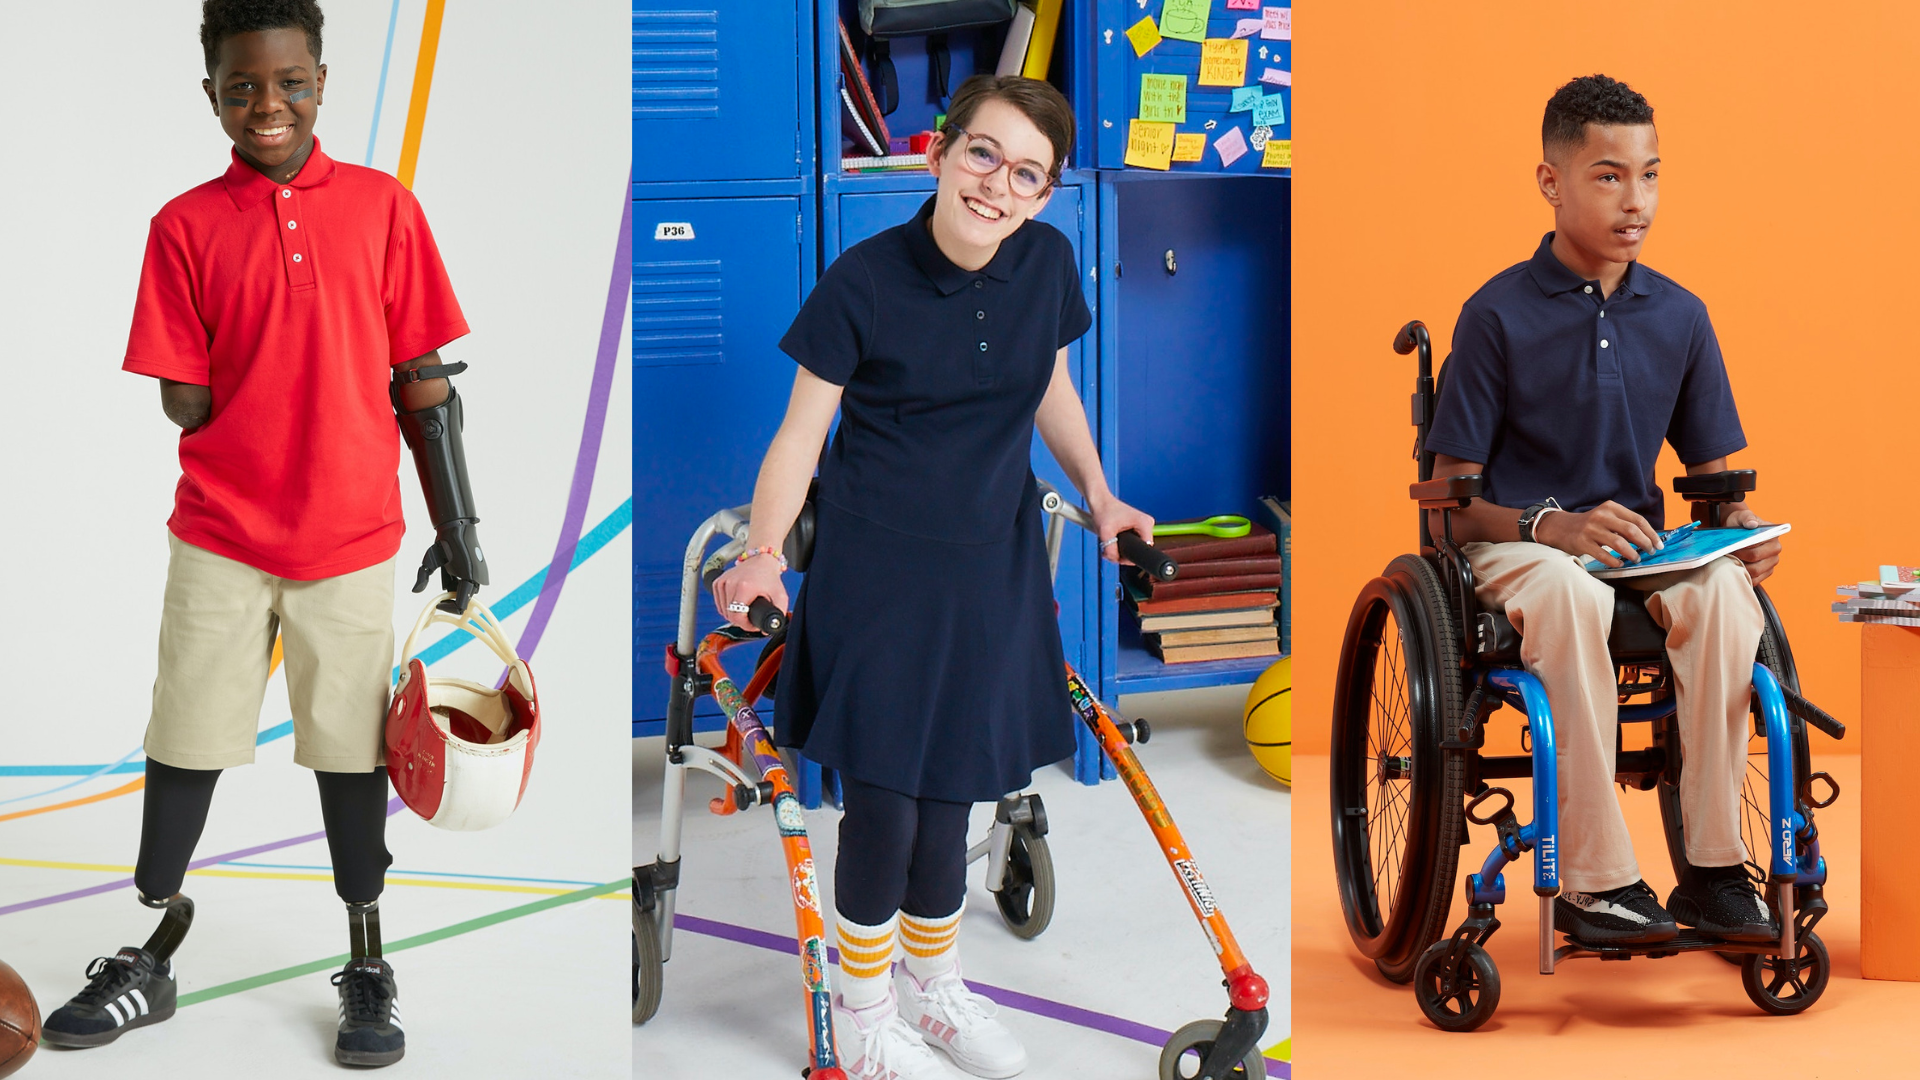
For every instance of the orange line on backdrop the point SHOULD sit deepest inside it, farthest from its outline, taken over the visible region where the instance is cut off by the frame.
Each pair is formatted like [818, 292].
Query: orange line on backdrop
[422, 86]
[128, 788]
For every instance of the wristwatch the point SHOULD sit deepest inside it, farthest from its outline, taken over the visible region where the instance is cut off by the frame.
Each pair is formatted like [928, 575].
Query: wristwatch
[1532, 514]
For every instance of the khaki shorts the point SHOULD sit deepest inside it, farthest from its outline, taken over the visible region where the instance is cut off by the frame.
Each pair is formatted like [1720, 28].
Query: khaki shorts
[216, 643]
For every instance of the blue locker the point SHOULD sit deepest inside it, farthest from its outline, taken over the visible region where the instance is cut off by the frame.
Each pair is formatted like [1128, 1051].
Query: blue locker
[720, 91]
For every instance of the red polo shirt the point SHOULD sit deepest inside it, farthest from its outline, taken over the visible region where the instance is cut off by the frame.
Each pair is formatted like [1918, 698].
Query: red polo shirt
[292, 302]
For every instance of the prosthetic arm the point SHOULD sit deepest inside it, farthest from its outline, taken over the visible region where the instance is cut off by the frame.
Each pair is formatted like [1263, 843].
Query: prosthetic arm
[433, 434]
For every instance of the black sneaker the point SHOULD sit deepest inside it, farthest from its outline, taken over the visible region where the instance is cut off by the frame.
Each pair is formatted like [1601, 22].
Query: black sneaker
[1721, 900]
[126, 990]
[369, 1023]
[1628, 915]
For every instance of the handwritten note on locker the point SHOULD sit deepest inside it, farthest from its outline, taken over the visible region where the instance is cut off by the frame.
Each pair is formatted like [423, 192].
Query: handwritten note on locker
[1149, 145]
[1144, 35]
[1189, 145]
[1163, 98]
[1270, 110]
[1243, 5]
[1232, 146]
[1244, 98]
[1279, 154]
[1278, 23]
[1247, 27]
[1223, 62]
[1276, 77]
[1185, 20]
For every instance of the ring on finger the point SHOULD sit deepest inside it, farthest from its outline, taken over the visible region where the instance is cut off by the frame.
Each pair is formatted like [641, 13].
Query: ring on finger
[738, 608]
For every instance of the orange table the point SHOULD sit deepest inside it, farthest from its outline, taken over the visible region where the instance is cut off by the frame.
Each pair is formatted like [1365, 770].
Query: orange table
[1889, 802]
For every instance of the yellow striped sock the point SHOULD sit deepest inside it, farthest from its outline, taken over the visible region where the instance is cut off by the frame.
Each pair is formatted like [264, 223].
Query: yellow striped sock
[931, 945]
[866, 960]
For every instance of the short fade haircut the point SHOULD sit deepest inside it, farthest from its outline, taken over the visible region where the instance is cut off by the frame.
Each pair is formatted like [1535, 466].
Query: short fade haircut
[1038, 101]
[1590, 99]
[222, 19]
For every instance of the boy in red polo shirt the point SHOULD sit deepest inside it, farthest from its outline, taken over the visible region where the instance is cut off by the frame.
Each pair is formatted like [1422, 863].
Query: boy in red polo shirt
[289, 309]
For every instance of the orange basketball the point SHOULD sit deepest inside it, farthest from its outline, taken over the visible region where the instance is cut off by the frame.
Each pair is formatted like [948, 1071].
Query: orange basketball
[19, 1021]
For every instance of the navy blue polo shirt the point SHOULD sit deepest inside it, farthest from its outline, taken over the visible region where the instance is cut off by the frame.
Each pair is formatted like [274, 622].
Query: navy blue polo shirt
[1563, 394]
[943, 370]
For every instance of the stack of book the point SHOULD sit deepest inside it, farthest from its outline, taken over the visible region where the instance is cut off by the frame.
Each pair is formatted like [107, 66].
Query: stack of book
[1221, 607]
[1894, 599]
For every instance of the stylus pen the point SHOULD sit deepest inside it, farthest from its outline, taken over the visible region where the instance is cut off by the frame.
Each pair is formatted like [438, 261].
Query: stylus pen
[1676, 534]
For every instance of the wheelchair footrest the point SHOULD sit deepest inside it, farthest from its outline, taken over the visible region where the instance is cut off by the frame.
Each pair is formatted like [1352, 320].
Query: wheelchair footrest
[1684, 942]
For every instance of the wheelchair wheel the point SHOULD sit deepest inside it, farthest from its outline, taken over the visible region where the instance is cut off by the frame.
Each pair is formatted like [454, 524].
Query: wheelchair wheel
[1397, 796]
[647, 974]
[1463, 1002]
[1782, 989]
[1181, 1057]
[1026, 892]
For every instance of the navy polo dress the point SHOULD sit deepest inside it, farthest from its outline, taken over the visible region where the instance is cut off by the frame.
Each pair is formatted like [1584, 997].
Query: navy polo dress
[923, 655]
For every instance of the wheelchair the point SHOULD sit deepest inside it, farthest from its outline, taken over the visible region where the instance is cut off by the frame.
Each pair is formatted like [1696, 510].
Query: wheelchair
[1422, 668]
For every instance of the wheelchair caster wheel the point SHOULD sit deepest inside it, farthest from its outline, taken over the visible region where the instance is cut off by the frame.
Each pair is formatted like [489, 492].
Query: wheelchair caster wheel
[1781, 989]
[1026, 893]
[1464, 1001]
[1181, 1058]
[646, 965]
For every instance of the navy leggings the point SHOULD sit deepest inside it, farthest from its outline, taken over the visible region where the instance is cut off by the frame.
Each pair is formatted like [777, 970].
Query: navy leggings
[898, 853]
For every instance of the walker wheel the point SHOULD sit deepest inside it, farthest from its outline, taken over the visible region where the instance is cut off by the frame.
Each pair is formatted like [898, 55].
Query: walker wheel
[1026, 891]
[1463, 1001]
[1783, 989]
[647, 974]
[1180, 1059]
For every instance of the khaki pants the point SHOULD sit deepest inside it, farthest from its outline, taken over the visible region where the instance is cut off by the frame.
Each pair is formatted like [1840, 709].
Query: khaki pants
[1713, 625]
[216, 643]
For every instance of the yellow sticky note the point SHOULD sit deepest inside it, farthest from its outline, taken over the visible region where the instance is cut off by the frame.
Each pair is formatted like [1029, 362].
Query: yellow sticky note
[1149, 145]
[1279, 154]
[1163, 98]
[1189, 146]
[1223, 61]
[1144, 35]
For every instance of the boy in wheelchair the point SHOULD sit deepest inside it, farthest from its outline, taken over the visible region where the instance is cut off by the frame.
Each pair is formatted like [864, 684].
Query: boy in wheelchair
[1567, 372]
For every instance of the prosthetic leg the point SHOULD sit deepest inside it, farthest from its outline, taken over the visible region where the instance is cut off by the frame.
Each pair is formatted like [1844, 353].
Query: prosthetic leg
[433, 435]
[354, 806]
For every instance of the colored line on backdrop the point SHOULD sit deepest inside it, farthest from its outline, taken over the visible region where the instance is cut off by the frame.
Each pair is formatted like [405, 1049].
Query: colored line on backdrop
[272, 872]
[380, 95]
[124, 789]
[422, 87]
[1012, 999]
[428, 938]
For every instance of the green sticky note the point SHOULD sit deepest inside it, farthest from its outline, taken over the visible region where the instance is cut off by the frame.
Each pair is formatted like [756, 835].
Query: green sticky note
[1185, 20]
[1163, 98]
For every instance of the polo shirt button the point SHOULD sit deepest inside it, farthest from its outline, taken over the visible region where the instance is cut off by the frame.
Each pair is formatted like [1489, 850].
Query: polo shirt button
[1603, 314]
[286, 193]
[978, 284]
[296, 258]
[1603, 343]
[979, 314]
[1589, 288]
[983, 346]
[292, 225]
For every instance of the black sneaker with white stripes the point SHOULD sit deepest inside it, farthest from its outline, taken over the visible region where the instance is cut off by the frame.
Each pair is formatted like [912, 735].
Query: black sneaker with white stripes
[1628, 915]
[1721, 900]
[125, 991]
[369, 1018]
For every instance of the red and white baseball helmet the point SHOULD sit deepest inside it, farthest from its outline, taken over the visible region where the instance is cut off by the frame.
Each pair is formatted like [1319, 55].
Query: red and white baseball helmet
[459, 753]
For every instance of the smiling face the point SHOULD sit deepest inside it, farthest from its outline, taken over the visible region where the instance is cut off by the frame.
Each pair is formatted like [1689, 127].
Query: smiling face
[266, 90]
[1604, 192]
[972, 214]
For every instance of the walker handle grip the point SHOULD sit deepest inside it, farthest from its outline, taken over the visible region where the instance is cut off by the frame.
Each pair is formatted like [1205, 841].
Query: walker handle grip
[1153, 562]
[766, 616]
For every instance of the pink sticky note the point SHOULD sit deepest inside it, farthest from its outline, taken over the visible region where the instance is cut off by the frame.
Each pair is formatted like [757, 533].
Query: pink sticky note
[1247, 27]
[1278, 24]
[1243, 5]
[1276, 77]
[1232, 146]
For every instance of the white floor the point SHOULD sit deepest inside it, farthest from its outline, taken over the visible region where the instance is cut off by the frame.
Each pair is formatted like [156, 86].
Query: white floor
[1123, 941]
[539, 995]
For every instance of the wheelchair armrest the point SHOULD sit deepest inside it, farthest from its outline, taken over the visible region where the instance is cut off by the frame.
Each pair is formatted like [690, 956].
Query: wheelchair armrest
[1447, 492]
[1726, 486]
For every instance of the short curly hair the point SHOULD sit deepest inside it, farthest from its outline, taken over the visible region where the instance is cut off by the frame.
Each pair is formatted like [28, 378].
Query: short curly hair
[222, 19]
[1590, 99]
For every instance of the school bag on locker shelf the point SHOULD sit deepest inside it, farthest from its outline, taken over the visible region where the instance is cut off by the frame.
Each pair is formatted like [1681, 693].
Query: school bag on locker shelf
[932, 19]
[458, 752]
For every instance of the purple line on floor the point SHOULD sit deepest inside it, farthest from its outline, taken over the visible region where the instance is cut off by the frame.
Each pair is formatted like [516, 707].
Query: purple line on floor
[394, 805]
[1012, 999]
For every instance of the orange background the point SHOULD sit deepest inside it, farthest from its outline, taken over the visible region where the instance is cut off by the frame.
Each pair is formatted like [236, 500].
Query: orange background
[1788, 205]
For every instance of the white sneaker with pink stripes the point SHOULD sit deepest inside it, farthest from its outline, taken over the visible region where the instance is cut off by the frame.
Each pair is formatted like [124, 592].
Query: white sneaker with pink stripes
[952, 1018]
[875, 1043]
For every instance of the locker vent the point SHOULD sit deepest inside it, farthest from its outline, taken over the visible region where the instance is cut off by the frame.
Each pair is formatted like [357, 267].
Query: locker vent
[676, 313]
[676, 65]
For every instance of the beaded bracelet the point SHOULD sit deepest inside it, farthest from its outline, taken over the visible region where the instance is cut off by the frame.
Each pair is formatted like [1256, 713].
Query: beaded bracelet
[781, 559]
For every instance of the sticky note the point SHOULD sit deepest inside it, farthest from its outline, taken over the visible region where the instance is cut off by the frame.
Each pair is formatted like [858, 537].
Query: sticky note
[1163, 98]
[1276, 77]
[1247, 27]
[1144, 35]
[1232, 146]
[1270, 110]
[1279, 154]
[1277, 25]
[1223, 62]
[1189, 146]
[1244, 97]
[1149, 145]
[1243, 5]
[1186, 20]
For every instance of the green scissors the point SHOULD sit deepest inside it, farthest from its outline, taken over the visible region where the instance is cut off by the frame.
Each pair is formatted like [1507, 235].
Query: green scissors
[1224, 526]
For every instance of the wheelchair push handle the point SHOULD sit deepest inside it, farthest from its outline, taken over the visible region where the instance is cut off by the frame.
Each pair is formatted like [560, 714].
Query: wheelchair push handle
[1153, 562]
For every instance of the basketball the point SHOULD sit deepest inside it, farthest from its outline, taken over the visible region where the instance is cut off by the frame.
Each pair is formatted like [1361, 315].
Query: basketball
[1268, 724]
[19, 1021]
